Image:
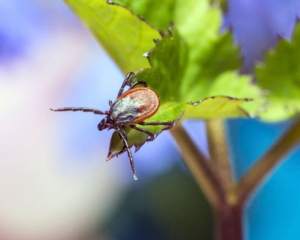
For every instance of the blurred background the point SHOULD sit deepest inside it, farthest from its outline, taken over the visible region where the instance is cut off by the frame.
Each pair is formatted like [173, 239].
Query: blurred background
[54, 181]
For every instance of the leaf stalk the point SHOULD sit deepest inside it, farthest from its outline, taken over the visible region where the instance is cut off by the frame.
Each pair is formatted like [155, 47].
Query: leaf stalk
[253, 178]
[201, 168]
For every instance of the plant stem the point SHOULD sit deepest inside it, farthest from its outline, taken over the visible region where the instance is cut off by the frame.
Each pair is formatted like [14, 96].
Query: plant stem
[229, 216]
[218, 150]
[229, 223]
[215, 181]
[201, 169]
[227, 198]
[263, 167]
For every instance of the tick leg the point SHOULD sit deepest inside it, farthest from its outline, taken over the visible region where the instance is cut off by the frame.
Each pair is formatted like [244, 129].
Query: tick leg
[123, 129]
[126, 82]
[124, 137]
[138, 83]
[167, 124]
[82, 109]
[150, 134]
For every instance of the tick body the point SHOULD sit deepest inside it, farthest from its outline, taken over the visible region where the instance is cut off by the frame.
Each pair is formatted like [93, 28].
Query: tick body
[130, 108]
[134, 106]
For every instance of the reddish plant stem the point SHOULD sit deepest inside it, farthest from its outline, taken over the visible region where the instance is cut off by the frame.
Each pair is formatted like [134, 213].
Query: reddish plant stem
[229, 217]
[229, 223]
[221, 196]
[227, 198]
[202, 170]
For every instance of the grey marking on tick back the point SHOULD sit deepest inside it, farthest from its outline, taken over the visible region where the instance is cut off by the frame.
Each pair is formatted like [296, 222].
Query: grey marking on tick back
[125, 110]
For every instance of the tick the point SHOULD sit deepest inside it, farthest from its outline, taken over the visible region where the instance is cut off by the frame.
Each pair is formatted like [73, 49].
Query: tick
[130, 109]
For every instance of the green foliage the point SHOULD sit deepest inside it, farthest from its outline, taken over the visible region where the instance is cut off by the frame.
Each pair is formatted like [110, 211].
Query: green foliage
[206, 53]
[173, 76]
[217, 107]
[158, 13]
[123, 34]
[192, 62]
[192, 66]
[168, 62]
[280, 77]
[161, 13]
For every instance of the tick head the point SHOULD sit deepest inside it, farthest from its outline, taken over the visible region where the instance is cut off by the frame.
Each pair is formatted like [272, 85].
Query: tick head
[104, 124]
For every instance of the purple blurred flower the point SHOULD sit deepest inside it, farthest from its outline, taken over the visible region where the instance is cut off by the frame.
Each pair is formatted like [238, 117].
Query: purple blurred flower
[257, 24]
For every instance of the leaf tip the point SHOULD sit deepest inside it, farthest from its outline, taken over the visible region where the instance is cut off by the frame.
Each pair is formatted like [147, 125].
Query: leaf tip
[110, 155]
[156, 41]
[162, 34]
[279, 37]
[146, 55]
[138, 147]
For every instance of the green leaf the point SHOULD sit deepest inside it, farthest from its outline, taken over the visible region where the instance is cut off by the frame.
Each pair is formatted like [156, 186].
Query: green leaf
[280, 78]
[191, 63]
[168, 62]
[197, 21]
[186, 63]
[195, 61]
[198, 25]
[116, 146]
[239, 86]
[167, 113]
[161, 13]
[123, 34]
[217, 107]
[158, 13]
[189, 82]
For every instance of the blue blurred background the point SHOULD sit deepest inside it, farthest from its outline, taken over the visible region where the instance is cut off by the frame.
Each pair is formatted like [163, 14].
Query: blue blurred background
[54, 181]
